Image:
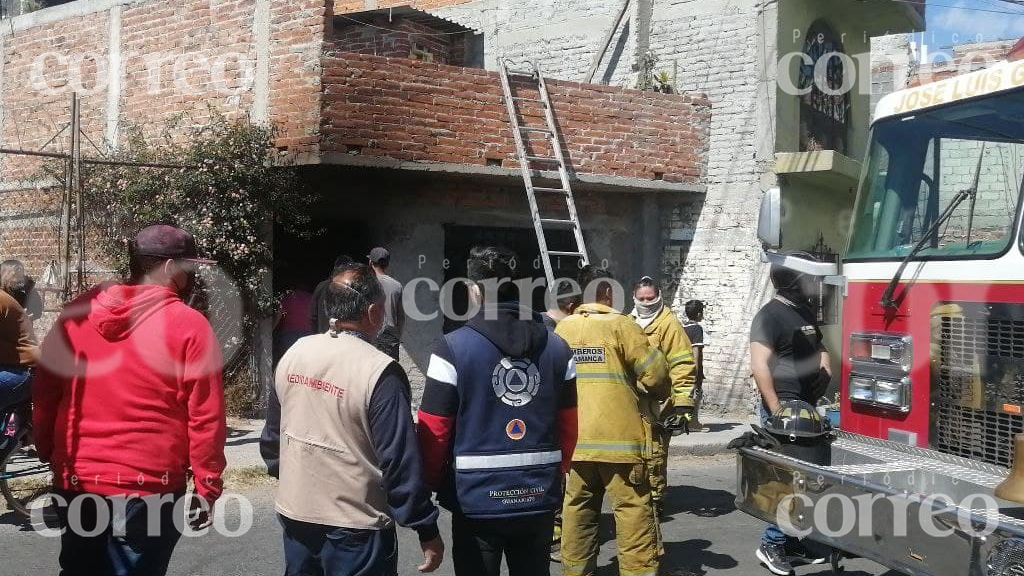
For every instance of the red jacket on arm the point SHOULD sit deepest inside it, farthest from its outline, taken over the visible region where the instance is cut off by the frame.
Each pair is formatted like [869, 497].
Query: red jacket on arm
[129, 395]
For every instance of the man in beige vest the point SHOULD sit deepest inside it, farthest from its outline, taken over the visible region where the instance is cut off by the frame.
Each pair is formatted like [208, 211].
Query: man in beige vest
[345, 447]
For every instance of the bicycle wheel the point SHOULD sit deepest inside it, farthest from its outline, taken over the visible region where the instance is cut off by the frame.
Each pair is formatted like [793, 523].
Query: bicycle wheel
[25, 482]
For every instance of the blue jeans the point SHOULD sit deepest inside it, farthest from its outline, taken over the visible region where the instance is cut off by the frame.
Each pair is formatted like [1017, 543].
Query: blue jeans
[319, 550]
[133, 551]
[15, 385]
[772, 535]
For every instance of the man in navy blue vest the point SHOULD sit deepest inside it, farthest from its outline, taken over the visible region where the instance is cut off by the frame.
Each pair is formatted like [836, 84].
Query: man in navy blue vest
[497, 426]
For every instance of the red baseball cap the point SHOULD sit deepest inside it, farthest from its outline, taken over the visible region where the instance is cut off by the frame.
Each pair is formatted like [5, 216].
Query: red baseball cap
[169, 242]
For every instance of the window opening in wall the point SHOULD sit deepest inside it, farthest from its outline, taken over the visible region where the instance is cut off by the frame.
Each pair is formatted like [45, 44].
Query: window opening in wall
[420, 53]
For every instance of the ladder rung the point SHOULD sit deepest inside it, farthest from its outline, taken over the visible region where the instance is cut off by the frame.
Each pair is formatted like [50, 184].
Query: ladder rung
[542, 130]
[557, 222]
[513, 72]
[568, 254]
[550, 190]
[543, 159]
[521, 99]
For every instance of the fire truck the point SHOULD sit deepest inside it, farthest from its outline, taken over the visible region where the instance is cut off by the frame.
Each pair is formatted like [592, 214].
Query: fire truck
[931, 294]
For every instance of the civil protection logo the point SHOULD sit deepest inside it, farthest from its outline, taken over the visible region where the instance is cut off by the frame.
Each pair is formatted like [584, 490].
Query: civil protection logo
[515, 382]
[516, 429]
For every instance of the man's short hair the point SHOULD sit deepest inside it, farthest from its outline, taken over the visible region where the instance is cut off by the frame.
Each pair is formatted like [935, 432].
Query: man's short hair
[342, 259]
[12, 276]
[566, 295]
[495, 265]
[349, 300]
[693, 309]
[141, 264]
[600, 278]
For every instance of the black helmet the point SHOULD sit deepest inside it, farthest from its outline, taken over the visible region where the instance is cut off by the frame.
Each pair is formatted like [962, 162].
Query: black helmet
[796, 419]
[786, 278]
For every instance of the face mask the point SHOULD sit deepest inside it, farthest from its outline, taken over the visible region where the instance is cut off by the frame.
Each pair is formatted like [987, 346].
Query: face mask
[186, 292]
[648, 309]
[797, 294]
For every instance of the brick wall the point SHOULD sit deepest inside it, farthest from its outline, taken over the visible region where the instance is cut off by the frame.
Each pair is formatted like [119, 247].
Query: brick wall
[154, 35]
[398, 41]
[410, 110]
[225, 44]
[966, 58]
[298, 29]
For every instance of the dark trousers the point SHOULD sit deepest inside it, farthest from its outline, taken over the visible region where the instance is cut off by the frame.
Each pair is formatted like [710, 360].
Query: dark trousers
[772, 535]
[125, 545]
[319, 550]
[15, 386]
[478, 545]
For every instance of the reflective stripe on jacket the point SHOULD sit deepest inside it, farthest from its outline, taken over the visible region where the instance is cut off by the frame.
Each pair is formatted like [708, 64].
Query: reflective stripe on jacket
[617, 372]
[666, 334]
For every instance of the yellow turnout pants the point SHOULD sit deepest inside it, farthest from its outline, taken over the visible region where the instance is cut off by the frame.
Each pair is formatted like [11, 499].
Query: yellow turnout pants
[636, 526]
[658, 466]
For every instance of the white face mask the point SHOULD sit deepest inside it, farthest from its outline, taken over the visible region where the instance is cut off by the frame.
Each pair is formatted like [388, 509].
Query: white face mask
[647, 309]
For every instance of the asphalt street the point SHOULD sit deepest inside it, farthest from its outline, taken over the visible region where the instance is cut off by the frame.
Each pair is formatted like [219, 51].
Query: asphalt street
[704, 534]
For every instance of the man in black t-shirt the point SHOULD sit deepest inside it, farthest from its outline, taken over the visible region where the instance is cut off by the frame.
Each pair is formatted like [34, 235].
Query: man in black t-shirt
[789, 362]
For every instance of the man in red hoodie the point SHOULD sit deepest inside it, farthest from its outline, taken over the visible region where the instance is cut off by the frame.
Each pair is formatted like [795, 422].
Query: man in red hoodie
[127, 398]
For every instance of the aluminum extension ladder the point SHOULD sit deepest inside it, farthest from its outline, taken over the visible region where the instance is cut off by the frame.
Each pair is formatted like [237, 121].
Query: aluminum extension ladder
[541, 224]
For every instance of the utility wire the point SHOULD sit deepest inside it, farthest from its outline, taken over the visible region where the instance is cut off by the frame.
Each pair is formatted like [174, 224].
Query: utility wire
[1013, 2]
[969, 9]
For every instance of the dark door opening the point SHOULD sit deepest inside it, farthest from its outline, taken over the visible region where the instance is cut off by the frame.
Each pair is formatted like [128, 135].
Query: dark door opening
[302, 262]
[458, 240]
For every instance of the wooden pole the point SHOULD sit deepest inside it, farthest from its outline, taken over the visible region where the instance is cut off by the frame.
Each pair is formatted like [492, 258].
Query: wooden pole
[607, 42]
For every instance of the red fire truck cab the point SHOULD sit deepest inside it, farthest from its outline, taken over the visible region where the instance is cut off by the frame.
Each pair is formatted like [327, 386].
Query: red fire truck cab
[931, 290]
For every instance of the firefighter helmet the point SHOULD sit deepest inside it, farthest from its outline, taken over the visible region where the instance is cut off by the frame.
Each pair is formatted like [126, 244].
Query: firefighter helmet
[796, 419]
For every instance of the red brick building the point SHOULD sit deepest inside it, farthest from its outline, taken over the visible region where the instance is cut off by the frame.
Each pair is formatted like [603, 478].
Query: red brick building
[388, 111]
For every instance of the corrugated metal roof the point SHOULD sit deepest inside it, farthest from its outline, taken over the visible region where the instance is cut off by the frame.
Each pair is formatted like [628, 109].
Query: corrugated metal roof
[438, 23]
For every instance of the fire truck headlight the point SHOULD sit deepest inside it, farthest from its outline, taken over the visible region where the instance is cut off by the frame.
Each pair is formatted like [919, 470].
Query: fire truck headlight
[880, 392]
[862, 389]
[888, 393]
[884, 351]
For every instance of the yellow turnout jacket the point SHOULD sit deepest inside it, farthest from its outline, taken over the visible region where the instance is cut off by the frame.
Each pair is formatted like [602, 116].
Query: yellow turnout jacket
[666, 334]
[617, 372]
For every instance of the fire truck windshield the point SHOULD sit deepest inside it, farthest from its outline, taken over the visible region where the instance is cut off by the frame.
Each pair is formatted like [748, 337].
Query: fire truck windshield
[918, 164]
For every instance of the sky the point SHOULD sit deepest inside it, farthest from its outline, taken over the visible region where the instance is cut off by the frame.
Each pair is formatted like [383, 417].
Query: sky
[960, 21]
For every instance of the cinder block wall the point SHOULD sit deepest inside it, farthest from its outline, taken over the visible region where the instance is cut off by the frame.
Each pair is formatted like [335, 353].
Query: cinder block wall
[725, 50]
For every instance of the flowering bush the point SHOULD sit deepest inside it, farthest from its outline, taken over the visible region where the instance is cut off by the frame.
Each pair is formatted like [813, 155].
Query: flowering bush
[228, 195]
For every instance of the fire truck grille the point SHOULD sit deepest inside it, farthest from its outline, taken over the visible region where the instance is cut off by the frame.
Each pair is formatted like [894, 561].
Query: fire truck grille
[976, 434]
[1006, 558]
[978, 380]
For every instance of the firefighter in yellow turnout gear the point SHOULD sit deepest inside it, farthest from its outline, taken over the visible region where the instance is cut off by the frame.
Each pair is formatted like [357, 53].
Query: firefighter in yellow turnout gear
[618, 375]
[665, 332]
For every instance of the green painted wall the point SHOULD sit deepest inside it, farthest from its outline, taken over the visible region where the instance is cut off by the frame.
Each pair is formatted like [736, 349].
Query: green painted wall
[856, 23]
[818, 205]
